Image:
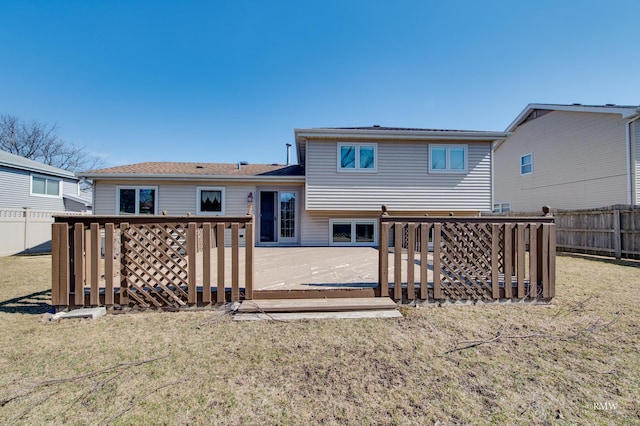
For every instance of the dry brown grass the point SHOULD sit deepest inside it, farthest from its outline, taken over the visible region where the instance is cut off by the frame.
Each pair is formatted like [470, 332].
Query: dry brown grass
[567, 364]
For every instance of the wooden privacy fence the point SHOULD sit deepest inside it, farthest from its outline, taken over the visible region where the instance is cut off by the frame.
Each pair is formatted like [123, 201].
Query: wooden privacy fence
[610, 231]
[150, 262]
[472, 258]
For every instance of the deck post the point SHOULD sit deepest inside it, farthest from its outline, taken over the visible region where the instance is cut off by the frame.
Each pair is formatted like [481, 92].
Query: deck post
[220, 292]
[533, 260]
[78, 264]
[411, 250]
[508, 260]
[94, 296]
[520, 267]
[424, 261]
[398, 230]
[552, 260]
[495, 261]
[383, 260]
[437, 291]
[124, 285]
[235, 255]
[248, 261]
[206, 263]
[192, 247]
[108, 263]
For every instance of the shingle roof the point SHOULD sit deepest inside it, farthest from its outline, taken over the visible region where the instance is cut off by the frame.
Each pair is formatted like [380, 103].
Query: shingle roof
[199, 169]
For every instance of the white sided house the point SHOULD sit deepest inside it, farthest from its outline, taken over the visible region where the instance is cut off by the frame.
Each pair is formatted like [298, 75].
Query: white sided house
[333, 196]
[31, 193]
[569, 157]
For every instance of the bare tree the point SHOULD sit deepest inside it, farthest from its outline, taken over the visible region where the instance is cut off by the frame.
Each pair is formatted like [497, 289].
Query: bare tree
[40, 142]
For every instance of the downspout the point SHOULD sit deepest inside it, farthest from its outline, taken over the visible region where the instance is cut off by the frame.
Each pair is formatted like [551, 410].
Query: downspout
[629, 160]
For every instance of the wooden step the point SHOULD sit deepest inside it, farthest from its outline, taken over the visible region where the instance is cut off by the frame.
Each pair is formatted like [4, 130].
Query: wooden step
[316, 293]
[294, 316]
[318, 305]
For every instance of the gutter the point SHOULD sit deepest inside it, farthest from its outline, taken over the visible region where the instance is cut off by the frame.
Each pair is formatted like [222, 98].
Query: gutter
[399, 134]
[169, 177]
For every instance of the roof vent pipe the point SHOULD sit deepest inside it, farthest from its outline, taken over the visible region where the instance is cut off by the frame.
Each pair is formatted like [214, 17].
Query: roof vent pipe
[288, 154]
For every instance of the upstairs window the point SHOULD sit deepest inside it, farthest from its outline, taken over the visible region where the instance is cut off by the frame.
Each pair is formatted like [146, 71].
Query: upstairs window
[448, 158]
[137, 200]
[45, 186]
[526, 164]
[357, 157]
[210, 200]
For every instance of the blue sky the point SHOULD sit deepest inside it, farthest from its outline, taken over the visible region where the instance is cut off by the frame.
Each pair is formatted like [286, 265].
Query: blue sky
[224, 81]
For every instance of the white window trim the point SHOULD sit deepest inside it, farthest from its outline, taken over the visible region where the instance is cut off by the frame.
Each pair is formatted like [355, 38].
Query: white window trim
[521, 157]
[447, 170]
[501, 207]
[353, 222]
[137, 188]
[357, 169]
[60, 186]
[199, 190]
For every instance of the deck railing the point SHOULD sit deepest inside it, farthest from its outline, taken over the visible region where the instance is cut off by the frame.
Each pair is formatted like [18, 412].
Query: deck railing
[150, 261]
[467, 258]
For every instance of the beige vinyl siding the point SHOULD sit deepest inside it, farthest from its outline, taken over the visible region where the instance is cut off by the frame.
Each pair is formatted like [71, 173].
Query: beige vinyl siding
[635, 135]
[176, 199]
[316, 225]
[579, 161]
[402, 181]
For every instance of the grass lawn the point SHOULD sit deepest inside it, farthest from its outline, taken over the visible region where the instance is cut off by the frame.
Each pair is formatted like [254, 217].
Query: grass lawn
[575, 362]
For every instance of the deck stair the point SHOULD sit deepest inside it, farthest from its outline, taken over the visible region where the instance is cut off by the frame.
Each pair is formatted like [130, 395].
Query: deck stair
[290, 309]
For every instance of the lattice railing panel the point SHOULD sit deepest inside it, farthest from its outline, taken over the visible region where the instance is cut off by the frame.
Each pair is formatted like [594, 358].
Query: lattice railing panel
[465, 259]
[155, 264]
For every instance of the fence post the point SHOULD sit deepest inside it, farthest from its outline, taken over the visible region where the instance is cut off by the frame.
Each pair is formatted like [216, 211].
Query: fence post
[27, 220]
[617, 237]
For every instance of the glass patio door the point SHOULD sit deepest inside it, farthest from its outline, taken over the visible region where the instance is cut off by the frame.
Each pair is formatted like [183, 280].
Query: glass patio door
[288, 217]
[278, 217]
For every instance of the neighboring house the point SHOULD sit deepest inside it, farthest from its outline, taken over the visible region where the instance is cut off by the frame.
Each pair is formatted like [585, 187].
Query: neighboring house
[30, 194]
[569, 157]
[332, 197]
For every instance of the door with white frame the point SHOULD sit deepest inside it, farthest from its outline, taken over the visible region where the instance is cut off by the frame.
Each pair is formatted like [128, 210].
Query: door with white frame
[278, 216]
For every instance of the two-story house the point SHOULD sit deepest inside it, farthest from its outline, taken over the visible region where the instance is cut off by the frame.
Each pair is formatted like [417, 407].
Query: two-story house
[569, 157]
[30, 194]
[333, 196]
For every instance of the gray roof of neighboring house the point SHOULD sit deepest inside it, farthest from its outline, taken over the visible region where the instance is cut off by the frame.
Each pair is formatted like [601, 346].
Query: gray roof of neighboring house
[626, 111]
[17, 162]
[195, 171]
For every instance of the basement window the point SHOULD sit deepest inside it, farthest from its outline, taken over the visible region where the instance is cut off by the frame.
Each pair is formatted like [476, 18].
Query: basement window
[352, 232]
